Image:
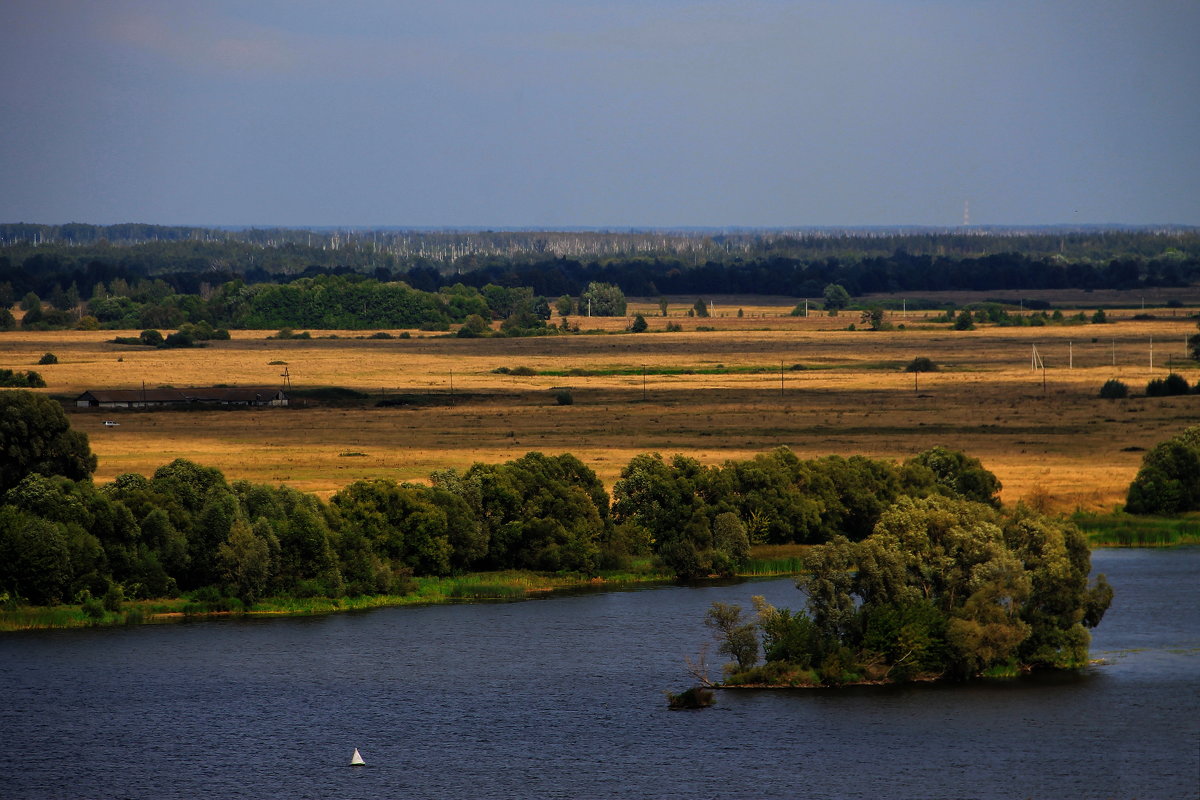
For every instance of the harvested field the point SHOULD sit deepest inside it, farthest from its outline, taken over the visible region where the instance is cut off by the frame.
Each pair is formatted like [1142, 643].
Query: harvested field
[753, 383]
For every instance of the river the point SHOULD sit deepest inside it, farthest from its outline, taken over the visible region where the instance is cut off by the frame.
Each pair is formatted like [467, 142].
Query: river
[562, 697]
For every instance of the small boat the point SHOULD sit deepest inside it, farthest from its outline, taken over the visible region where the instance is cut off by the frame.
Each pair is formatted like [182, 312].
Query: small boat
[356, 759]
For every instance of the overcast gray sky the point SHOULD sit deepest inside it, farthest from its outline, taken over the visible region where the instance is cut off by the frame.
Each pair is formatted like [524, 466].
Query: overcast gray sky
[557, 113]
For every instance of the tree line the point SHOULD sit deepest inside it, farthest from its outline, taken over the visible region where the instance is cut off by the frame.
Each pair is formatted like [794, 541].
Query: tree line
[249, 268]
[186, 528]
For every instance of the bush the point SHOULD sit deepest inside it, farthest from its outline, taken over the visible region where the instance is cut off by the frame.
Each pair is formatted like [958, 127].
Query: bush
[49, 358]
[288, 333]
[564, 397]
[19, 380]
[1173, 384]
[639, 324]
[1114, 389]
[921, 364]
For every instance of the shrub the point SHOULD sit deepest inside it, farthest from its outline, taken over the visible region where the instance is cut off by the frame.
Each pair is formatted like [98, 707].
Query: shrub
[114, 597]
[49, 358]
[1114, 389]
[178, 339]
[674, 327]
[1176, 384]
[639, 324]
[18, 380]
[563, 397]
[921, 364]
[288, 333]
[93, 608]
[1173, 384]
[693, 698]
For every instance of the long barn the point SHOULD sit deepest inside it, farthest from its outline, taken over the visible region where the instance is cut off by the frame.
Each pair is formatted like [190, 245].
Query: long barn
[151, 398]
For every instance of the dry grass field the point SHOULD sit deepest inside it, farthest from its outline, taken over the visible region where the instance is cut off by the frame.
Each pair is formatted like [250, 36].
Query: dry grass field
[723, 396]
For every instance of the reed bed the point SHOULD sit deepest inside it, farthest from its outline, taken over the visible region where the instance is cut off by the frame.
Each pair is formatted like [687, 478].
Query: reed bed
[1123, 530]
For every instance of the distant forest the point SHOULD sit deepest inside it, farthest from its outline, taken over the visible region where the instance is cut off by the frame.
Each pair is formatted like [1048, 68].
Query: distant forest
[223, 277]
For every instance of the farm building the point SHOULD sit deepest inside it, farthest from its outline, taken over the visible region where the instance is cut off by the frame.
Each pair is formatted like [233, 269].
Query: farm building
[155, 398]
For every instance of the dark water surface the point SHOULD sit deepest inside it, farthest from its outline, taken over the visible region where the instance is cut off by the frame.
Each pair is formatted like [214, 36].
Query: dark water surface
[562, 697]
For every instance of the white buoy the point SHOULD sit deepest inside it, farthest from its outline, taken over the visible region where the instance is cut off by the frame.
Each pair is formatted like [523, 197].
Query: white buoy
[356, 759]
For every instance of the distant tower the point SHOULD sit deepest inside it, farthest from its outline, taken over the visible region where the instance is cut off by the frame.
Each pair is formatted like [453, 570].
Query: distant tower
[966, 213]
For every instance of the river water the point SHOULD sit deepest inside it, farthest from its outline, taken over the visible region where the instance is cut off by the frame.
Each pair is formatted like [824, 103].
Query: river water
[562, 697]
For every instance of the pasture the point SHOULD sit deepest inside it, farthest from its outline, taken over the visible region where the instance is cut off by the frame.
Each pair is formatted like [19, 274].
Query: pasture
[750, 384]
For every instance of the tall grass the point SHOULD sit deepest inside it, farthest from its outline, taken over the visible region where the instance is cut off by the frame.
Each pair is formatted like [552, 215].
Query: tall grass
[760, 567]
[774, 559]
[1127, 530]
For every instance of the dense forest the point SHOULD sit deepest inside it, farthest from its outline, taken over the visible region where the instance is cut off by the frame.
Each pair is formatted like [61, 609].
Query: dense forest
[148, 276]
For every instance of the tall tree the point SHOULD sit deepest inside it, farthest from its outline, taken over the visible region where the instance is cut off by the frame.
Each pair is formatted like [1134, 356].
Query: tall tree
[36, 437]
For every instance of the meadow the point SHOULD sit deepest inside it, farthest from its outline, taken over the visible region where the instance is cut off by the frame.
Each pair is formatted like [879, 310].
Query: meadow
[723, 387]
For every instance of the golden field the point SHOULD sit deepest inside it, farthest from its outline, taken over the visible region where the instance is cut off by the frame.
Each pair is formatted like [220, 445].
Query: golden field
[1063, 447]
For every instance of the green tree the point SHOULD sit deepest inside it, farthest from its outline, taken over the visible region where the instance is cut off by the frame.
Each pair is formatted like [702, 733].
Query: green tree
[836, 297]
[602, 300]
[639, 324]
[564, 305]
[736, 635]
[35, 562]
[960, 474]
[244, 560]
[873, 318]
[663, 305]
[36, 437]
[1168, 481]
[700, 307]
[474, 327]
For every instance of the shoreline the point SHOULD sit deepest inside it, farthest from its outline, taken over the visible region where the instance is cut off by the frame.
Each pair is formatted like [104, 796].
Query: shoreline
[484, 587]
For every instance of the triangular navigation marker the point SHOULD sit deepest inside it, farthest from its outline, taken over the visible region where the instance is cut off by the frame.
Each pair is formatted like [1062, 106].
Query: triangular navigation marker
[356, 759]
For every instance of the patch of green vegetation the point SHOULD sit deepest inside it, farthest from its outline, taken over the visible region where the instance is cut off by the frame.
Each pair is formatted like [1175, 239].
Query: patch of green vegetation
[762, 567]
[1126, 530]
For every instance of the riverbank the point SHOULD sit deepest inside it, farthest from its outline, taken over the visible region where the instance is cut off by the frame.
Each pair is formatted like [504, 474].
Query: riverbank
[476, 587]
[1114, 530]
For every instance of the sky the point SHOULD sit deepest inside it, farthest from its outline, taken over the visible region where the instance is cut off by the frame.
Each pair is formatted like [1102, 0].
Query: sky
[572, 113]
